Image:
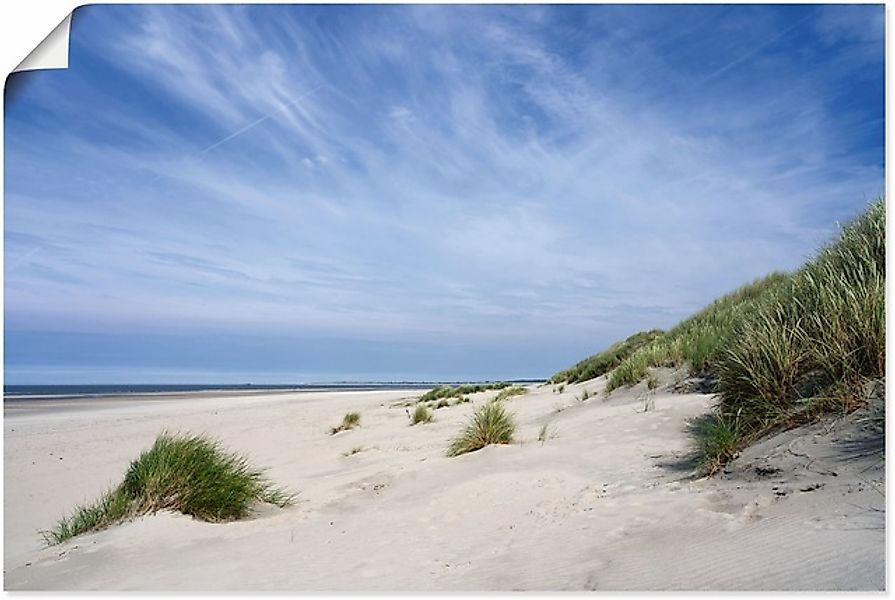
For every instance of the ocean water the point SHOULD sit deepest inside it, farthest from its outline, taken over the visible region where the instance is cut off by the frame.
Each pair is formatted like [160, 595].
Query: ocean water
[81, 391]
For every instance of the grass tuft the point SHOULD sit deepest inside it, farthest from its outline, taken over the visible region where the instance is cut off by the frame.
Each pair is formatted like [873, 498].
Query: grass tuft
[514, 390]
[545, 433]
[447, 391]
[421, 414]
[349, 421]
[717, 439]
[184, 473]
[490, 424]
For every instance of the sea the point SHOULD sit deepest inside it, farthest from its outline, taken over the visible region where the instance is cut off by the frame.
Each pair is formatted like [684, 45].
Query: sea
[22, 392]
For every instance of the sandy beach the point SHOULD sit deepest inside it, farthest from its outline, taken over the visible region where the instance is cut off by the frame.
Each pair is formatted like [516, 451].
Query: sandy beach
[604, 503]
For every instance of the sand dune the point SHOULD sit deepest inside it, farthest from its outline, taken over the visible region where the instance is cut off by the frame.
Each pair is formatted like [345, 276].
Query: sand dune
[604, 503]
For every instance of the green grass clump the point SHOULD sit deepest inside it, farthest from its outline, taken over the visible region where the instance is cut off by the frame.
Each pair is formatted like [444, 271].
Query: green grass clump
[717, 437]
[514, 390]
[784, 349]
[490, 424]
[696, 342]
[183, 473]
[545, 433]
[349, 421]
[447, 391]
[421, 414]
[603, 362]
[811, 345]
[353, 451]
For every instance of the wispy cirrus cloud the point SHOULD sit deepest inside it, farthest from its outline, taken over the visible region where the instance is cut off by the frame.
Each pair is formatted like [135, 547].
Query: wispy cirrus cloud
[403, 172]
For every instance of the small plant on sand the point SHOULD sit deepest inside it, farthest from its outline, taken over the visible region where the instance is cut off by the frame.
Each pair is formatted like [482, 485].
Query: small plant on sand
[649, 400]
[353, 451]
[421, 414]
[349, 421]
[443, 403]
[447, 391]
[183, 473]
[562, 388]
[490, 424]
[545, 433]
[515, 390]
[462, 400]
[585, 395]
[717, 440]
[652, 382]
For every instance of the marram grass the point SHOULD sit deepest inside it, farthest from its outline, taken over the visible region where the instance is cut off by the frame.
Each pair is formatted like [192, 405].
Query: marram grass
[349, 421]
[603, 362]
[696, 341]
[421, 414]
[812, 344]
[509, 392]
[781, 350]
[490, 424]
[447, 391]
[185, 473]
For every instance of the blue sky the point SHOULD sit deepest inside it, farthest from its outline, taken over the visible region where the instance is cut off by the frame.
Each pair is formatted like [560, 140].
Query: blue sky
[304, 193]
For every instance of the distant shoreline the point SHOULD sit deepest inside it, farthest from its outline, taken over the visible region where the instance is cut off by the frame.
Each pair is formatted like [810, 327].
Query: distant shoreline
[34, 393]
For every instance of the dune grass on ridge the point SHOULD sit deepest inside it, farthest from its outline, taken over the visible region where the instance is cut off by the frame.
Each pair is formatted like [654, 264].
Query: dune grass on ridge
[509, 392]
[605, 360]
[448, 391]
[696, 341]
[814, 343]
[782, 350]
[185, 473]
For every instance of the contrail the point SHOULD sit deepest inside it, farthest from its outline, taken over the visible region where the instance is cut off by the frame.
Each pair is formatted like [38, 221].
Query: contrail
[755, 50]
[233, 135]
[253, 124]
[24, 258]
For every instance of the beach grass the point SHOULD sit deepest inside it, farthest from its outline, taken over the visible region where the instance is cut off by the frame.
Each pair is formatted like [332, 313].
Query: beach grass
[490, 424]
[696, 342]
[545, 433]
[810, 346]
[421, 414]
[349, 421]
[447, 391]
[184, 473]
[605, 361]
[509, 392]
[782, 350]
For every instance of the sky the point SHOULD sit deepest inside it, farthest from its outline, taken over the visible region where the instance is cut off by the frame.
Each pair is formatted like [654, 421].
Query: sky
[278, 194]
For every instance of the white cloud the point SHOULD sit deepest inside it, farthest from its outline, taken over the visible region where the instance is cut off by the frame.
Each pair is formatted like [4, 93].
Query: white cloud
[419, 170]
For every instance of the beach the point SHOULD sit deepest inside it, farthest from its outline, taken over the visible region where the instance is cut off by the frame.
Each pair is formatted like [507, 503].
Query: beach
[604, 501]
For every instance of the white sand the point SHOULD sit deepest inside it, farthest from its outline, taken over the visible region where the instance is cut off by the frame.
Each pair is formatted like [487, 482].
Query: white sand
[595, 507]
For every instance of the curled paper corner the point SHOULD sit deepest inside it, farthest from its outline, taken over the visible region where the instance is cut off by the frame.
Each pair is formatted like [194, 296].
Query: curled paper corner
[52, 52]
